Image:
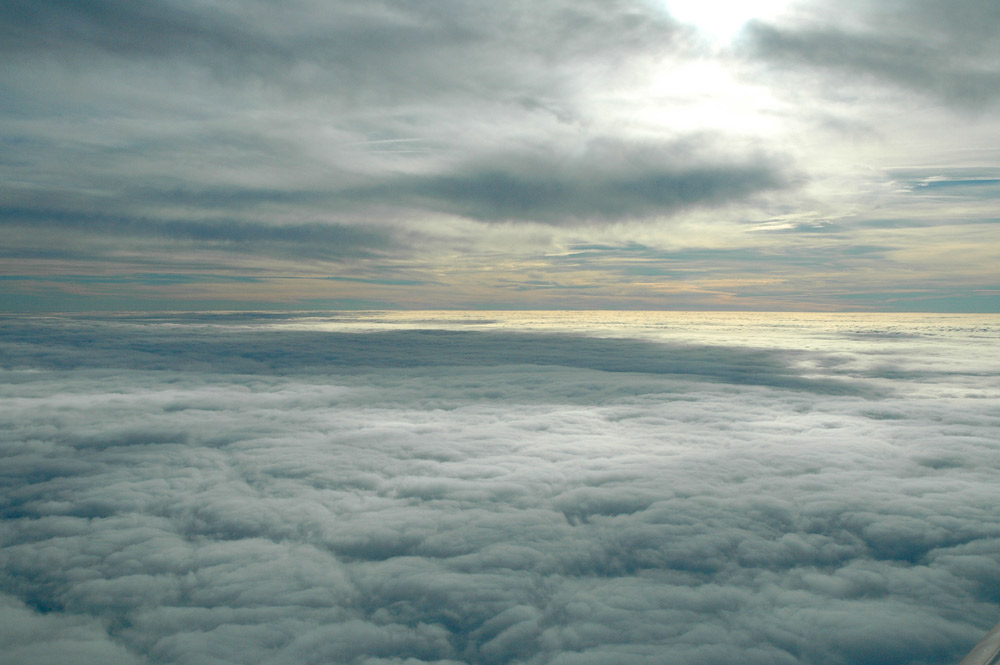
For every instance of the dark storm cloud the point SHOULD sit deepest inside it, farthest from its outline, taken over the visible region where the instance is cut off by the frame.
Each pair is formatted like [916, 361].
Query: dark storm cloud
[938, 47]
[510, 512]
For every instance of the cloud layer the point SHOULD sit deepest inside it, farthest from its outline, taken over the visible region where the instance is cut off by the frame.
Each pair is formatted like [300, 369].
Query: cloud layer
[216, 490]
[938, 48]
[456, 154]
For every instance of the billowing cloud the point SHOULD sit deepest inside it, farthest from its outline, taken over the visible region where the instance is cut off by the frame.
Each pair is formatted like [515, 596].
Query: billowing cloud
[254, 489]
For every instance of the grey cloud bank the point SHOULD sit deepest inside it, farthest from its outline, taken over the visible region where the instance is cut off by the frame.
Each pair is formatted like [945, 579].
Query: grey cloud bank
[606, 180]
[940, 48]
[457, 148]
[428, 489]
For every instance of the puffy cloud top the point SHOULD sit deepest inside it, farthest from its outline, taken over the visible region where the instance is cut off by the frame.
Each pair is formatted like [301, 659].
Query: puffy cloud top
[181, 489]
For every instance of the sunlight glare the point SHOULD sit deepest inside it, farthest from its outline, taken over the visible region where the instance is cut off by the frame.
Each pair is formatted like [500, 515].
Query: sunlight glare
[723, 19]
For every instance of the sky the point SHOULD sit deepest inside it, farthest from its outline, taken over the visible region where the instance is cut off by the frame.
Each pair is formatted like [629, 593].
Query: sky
[448, 154]
[492, 488]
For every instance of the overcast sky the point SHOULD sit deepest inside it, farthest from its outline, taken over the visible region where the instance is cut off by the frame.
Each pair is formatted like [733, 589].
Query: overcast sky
[193, 154]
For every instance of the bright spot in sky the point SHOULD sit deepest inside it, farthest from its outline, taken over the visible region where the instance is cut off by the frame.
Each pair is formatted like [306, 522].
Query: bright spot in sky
[723, 19]
[705, 94]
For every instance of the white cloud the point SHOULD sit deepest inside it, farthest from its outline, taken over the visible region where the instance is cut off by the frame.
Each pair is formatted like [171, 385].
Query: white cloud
[248, 495]
[30, 638]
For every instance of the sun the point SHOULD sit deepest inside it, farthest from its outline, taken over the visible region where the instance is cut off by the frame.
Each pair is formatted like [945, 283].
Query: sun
[722, 20]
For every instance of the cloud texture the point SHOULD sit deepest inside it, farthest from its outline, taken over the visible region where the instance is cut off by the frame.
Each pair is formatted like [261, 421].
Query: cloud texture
[938, 48]
[455, 153]
[217, 489]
